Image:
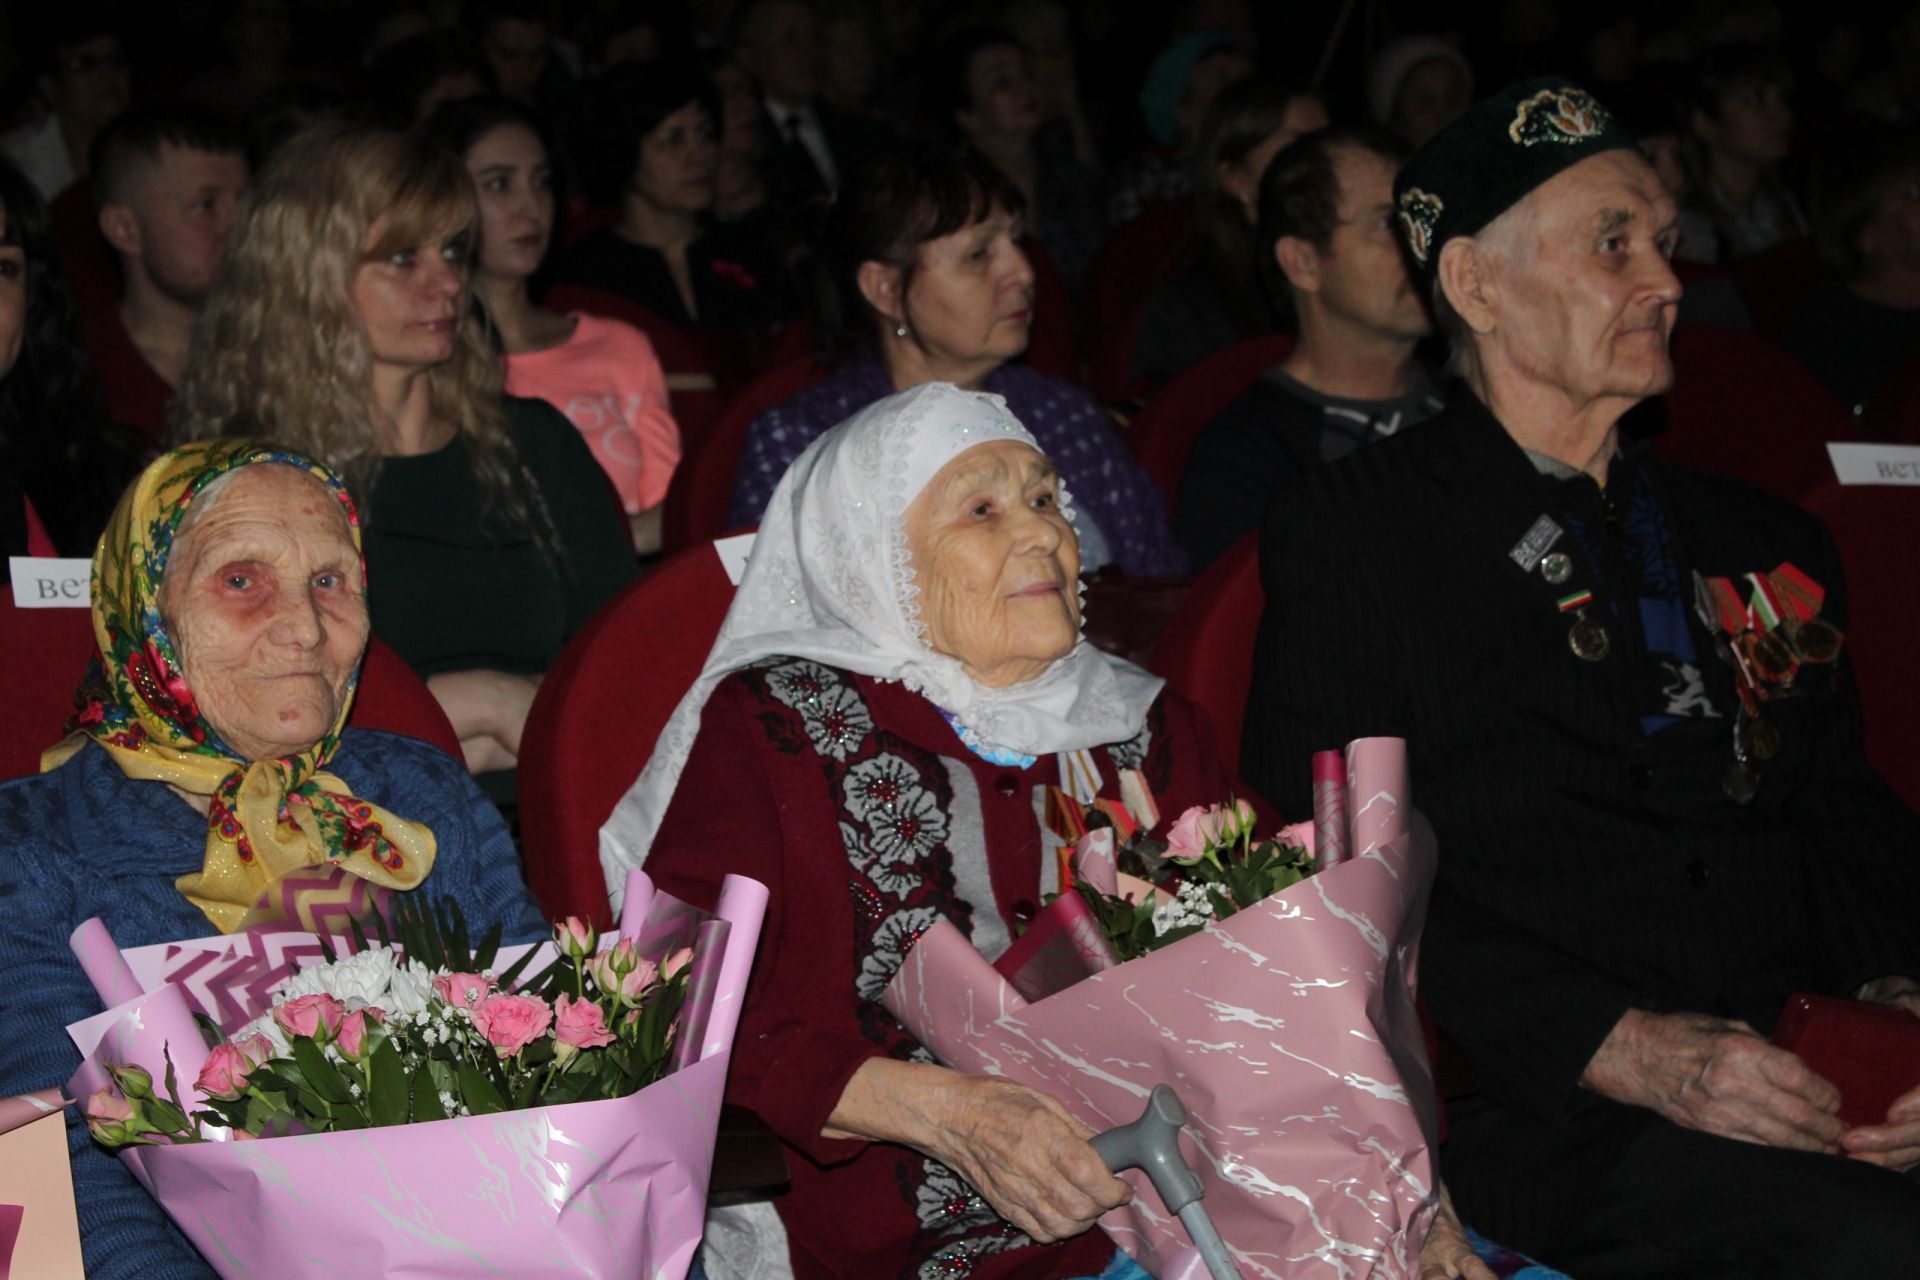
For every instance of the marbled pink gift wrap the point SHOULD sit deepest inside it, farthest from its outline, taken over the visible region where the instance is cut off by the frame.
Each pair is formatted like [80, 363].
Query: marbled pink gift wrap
[587, 1191]
[1289, 1031]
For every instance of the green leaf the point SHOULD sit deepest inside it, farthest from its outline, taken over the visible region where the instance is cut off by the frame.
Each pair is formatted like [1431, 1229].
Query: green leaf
[387, 1086]
[489, 948]
[359, 934]
[426, 1099]
[271, 1081]
[321, 1076]
[478, 1092]
[346, 1116]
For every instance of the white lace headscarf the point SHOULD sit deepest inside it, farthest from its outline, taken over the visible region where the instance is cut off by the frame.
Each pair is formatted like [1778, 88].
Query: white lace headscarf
[831, 579]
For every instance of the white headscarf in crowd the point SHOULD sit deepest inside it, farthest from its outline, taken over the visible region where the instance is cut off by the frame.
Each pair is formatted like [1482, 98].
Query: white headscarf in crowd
[831, 579]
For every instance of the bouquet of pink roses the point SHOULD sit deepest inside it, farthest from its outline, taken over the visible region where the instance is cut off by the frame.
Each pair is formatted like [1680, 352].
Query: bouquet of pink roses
[1286, 1022]
[558, 1126]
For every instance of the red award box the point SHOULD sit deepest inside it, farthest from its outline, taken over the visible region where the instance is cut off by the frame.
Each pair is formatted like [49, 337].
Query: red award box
[1871, 1052]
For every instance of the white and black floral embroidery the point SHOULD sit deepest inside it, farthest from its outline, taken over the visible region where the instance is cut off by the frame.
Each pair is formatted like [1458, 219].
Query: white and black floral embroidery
[835, 718]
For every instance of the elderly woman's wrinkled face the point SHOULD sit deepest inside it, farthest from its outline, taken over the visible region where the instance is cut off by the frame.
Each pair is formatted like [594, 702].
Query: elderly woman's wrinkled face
[997, 563]
[267, 609]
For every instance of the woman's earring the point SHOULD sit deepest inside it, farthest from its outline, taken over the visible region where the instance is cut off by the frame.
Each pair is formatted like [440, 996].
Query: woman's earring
[899, 331]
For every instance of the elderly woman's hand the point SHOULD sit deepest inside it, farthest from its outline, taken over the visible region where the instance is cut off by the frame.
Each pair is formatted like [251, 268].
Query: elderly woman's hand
[1017, 1147]
[1447, 1254]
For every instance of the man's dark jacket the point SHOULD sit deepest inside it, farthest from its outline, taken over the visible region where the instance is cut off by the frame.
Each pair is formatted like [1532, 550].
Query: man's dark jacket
[1586, 868]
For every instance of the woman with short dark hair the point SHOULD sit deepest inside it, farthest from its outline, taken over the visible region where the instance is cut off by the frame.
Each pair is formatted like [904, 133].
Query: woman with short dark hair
[923, 280]
[651, 156]
[1738, 117]
[983, 89]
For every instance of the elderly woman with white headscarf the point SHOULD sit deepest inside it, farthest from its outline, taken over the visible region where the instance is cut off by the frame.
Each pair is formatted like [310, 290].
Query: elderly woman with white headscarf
[901, 677]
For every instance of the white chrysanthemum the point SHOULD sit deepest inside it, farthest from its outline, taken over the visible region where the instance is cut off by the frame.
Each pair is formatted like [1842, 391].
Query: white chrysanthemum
[366, 978]
[409, 990]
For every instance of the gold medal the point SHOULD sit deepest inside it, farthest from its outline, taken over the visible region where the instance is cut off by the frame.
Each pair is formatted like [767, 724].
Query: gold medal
[1815, 641]
[1771, 657]
[1588, 639]
[1762, 739]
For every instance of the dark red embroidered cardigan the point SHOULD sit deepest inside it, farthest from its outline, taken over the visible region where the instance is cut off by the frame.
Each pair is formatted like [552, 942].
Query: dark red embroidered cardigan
[841, 794]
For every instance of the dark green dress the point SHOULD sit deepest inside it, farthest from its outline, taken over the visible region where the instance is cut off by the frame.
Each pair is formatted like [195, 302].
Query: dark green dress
[454, 586]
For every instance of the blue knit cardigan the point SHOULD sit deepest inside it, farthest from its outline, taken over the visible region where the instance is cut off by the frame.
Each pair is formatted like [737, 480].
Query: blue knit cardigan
[86, 840]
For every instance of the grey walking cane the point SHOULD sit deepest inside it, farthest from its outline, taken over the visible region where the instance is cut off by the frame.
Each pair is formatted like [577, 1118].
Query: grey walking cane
[1152, 1145]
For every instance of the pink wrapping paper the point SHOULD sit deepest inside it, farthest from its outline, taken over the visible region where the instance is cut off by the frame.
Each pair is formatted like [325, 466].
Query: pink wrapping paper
[614, 1188]
[1289, 1031]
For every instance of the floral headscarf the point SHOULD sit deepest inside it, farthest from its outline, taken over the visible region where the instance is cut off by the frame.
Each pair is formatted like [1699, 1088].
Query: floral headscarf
[268, 818]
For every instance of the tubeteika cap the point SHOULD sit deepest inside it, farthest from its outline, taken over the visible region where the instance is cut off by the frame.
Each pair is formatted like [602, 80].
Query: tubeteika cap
[1492, 156]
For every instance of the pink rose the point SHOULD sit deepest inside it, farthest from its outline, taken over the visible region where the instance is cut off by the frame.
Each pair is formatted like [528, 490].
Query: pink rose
[463, 990]
[1194, 833]
[1243, 819]
[224, 1078]
[1297, 836]
[575, 938]
[626, 985]
[352, 1039]
[113, 1119]
[256, 1046]
[674, 963]
[316, 1017]
[511, 1023]
[580, 1023]
[105, 1104]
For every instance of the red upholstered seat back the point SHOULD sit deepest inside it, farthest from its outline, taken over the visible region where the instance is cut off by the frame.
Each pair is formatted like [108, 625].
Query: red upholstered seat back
[1776, 279]
[1163, 433]
[45, 652]
[1893, 414]
[702, 490]
[1135, 260]
[1207, 656]
[1743, 407]
[1051, 349]
[597, 715]
[1878, 530]
[393, 698]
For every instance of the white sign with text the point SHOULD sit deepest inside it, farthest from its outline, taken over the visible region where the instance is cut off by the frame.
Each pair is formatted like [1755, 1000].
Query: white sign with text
[1875, 463]
[43, 582]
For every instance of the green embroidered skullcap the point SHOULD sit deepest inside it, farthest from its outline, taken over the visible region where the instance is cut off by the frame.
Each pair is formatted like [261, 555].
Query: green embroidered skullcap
[1491, 156]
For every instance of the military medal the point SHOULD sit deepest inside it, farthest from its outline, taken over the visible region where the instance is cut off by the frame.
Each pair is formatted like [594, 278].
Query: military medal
[1556, 567]
[1766, 634]
[1588, 639]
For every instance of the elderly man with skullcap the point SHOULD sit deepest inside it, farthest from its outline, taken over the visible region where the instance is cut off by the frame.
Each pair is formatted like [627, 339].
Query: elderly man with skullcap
[1631, 718]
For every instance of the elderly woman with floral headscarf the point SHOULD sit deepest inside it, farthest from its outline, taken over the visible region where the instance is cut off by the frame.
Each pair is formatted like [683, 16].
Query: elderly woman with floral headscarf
[900, 678]
[208, 783]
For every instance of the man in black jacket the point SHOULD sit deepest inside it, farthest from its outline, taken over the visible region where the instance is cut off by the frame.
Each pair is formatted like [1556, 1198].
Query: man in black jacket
[1644, 766]
[1330, 258]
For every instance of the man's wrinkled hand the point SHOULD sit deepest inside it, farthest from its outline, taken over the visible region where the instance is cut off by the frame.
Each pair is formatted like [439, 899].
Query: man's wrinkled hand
[1718, 1076]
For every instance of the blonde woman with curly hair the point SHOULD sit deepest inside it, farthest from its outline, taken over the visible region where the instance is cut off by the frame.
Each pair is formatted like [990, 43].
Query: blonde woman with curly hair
[340, 328]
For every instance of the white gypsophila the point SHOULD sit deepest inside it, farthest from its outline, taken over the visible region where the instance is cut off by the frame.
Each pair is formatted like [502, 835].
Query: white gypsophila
[365, 978]
[1190, 905]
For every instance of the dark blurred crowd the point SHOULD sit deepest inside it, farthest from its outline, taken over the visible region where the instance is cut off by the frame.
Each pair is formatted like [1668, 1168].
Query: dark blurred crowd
[773, 212]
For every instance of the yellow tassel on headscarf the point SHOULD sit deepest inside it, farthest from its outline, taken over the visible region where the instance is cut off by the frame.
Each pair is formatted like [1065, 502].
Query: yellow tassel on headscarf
[266, 818]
